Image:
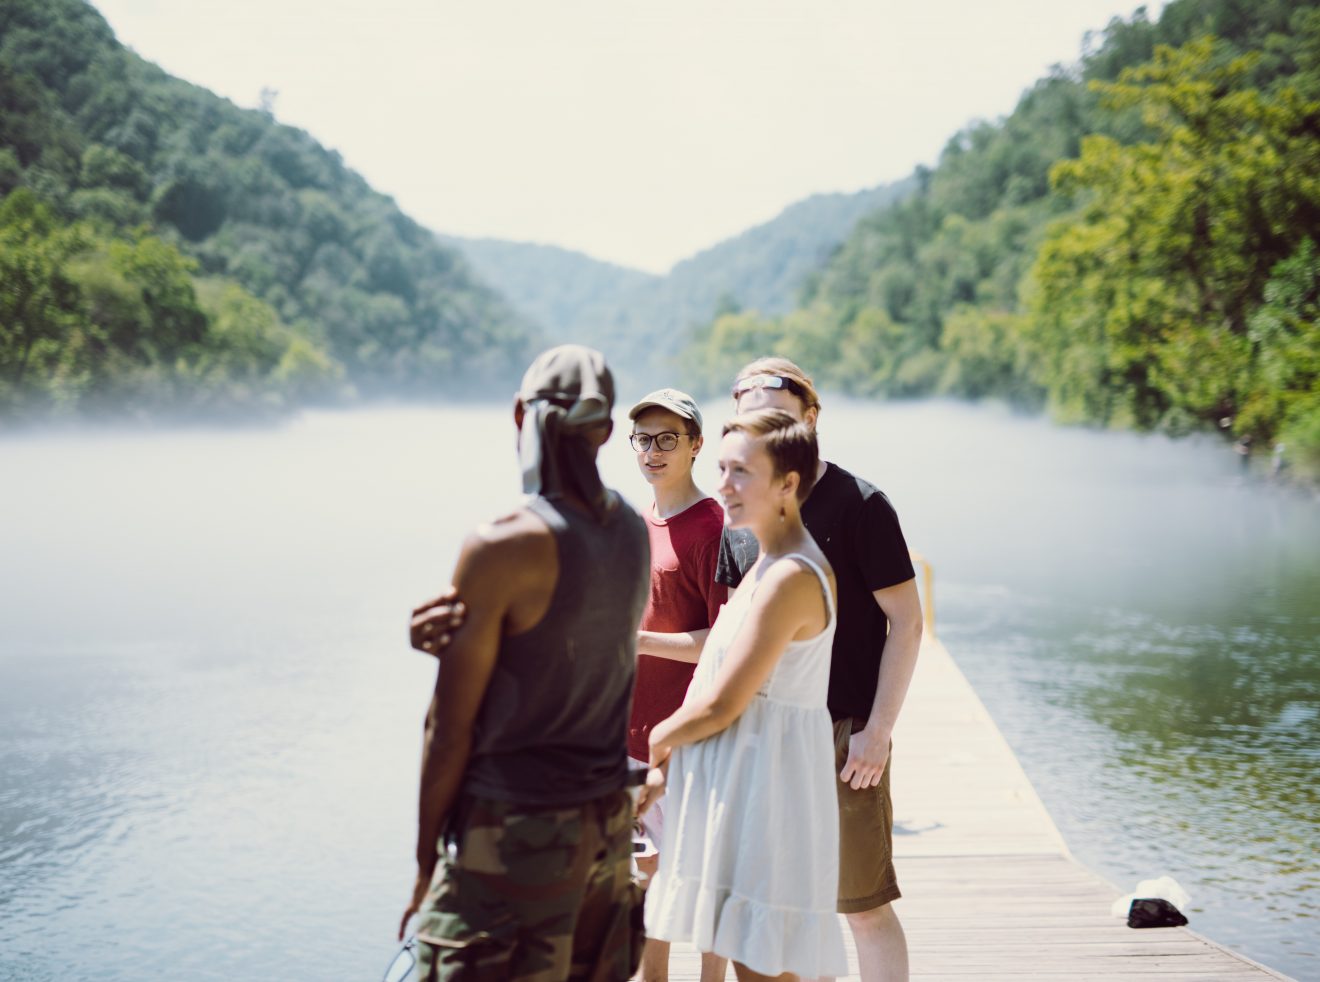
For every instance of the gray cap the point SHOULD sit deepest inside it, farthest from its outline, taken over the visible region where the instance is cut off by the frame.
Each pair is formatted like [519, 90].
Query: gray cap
[678, 403]
[574, 377]
[566, 391]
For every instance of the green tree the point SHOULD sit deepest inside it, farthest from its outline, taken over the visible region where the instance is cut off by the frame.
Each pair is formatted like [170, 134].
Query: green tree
[1143, 301]
[984, 355]
[163, 276]
[103, 167]
[38, 299]
[1283, 399]
[11, 172]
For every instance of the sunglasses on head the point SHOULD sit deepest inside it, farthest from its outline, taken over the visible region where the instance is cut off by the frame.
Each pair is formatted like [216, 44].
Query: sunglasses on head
[767, 382]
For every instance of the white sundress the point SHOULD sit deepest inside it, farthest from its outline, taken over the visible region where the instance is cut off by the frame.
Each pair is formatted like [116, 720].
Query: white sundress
[750, 864]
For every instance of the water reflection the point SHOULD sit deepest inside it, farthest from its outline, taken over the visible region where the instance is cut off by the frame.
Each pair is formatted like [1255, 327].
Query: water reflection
[1187, 748]
[66, 784]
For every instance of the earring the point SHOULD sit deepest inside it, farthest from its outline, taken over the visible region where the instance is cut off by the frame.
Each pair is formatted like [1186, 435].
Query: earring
[781, 513]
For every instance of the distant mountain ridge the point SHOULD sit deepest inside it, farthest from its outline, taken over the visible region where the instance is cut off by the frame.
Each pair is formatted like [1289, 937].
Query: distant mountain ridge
[558, 289]
[642, 320]
[765, 267]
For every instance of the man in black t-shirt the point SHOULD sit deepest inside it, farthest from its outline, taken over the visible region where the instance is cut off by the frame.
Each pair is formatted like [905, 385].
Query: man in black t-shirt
[879, 614]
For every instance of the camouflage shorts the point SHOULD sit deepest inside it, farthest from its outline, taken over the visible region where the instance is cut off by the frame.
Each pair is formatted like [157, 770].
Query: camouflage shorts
[533, 894]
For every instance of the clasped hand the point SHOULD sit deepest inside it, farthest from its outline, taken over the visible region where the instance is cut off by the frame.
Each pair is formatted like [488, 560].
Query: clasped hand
[654, 786]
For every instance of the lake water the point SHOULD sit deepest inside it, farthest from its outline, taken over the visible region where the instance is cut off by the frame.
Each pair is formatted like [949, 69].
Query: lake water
[210, 718]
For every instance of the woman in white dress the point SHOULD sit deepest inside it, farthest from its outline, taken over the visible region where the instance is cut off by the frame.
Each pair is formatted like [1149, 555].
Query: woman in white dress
[752, 813]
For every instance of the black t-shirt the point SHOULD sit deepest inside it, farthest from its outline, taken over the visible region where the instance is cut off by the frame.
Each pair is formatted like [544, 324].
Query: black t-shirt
[856, 527]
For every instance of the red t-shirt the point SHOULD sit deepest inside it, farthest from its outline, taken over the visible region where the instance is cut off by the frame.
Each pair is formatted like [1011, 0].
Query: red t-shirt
[684, 597]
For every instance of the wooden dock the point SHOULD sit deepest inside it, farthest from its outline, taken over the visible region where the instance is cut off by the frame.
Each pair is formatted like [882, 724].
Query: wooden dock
[990, 891]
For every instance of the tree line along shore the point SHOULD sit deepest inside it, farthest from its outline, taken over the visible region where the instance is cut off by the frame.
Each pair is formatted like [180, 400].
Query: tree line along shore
[1133, 246]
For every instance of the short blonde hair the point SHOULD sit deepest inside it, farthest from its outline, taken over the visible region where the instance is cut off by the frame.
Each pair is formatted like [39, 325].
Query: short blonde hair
[775, 365]
[791, 444]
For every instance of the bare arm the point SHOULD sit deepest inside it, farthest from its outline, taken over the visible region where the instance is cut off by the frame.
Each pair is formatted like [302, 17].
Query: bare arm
[494, 570]
[685, 646]
[868, 749]
[787, 604]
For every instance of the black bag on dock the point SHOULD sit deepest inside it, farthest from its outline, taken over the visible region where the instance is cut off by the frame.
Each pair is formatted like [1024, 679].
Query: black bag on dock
[1154, 912]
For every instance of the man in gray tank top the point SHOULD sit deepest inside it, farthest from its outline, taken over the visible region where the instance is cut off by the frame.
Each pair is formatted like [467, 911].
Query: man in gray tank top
[524, 838]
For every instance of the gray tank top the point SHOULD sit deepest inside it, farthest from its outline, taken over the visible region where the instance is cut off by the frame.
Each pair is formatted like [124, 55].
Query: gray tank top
[553, 726]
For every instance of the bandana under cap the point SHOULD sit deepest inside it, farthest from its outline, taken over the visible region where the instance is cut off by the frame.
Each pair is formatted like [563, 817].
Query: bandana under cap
[566, 391]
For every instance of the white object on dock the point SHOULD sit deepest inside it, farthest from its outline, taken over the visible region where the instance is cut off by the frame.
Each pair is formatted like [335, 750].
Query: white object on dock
[1165, 887]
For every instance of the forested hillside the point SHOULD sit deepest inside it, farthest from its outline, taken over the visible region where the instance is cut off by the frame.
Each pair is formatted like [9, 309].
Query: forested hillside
[765, 267]
[563, 291]
[1135, 245]
[642, 321]
[162, 250]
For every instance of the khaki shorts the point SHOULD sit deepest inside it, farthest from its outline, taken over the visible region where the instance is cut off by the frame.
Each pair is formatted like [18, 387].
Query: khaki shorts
[866, 834]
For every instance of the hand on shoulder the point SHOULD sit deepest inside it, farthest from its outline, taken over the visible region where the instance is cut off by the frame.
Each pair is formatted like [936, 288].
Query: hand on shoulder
[509, 555]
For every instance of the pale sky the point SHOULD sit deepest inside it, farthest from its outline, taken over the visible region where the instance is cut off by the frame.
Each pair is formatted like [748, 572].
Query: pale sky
[637, 132]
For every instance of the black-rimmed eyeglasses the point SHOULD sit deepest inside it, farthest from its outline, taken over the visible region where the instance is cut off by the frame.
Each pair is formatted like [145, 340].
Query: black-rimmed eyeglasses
[767, 382]
[666, 441]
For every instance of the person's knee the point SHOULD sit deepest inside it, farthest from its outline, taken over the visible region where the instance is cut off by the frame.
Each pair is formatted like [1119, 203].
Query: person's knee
[655, 961]
[713, 967]
[877, 920]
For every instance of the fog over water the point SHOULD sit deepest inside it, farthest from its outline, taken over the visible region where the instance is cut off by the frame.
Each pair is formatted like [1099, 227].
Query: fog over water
[210, 719]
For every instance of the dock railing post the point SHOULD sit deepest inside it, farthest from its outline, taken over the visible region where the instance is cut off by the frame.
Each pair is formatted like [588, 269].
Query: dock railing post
[927, 591]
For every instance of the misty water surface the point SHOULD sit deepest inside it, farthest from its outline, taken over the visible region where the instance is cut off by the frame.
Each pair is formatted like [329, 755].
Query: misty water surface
[209, 717]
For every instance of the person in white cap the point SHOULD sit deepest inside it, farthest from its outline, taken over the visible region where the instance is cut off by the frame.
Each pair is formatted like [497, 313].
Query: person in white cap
[684, 525]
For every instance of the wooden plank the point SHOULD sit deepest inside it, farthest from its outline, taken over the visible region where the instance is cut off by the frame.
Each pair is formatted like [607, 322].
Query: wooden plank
[990, 891]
